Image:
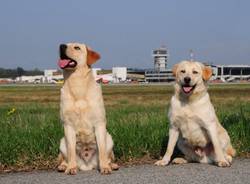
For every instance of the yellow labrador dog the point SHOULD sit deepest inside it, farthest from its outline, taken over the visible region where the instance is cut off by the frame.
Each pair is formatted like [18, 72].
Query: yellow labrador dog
[194, 125]
[87, 144]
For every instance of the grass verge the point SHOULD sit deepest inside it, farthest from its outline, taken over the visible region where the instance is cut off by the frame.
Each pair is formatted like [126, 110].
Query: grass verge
[30, 131]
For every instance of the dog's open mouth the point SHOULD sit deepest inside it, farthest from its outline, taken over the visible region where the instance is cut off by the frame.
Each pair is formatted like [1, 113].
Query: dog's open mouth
[66, 62]
[188, 89]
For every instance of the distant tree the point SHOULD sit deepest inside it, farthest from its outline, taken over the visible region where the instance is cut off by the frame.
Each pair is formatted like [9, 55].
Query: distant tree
[7, 73]
[20, 71]
[36, 71]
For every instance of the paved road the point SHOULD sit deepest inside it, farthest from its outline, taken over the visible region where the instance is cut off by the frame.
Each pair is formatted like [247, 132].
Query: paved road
[189, 173]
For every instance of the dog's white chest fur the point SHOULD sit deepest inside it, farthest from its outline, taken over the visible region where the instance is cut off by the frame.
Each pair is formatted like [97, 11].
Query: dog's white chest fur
[190, 120]
[74, 112]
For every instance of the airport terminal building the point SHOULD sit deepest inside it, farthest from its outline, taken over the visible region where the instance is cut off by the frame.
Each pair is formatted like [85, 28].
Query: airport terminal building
[159, 75]
[222, 73]
[231, 73]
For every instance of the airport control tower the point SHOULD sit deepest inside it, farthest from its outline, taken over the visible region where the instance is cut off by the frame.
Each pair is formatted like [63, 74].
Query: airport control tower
[160, 57]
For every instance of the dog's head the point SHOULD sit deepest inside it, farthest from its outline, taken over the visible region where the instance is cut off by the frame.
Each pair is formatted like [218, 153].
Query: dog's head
[191, 76]
[76, 55]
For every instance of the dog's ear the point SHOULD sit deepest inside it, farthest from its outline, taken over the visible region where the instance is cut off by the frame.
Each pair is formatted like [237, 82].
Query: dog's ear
[92, 56]
[207, 73]
[174, 69]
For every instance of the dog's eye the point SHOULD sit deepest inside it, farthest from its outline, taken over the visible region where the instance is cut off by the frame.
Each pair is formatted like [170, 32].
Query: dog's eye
[183, 71]
[77, 48]
[195, 72]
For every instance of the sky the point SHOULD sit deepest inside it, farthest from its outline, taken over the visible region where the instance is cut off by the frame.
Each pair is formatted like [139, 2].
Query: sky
[124, 32]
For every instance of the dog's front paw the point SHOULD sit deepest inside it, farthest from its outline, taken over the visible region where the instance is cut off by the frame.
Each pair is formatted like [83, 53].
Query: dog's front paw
[114, 166]
[229, 159]
[71, 170]
[62, 168]
[106, 169]
[223, 163]
[179, 161]
[162, 162]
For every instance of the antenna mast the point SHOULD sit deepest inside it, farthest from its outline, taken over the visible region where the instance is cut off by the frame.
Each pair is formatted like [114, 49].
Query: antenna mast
[191, 52]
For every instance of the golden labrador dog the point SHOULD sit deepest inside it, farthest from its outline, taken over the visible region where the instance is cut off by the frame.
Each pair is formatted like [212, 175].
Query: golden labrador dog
[194, 125]
[87, 144]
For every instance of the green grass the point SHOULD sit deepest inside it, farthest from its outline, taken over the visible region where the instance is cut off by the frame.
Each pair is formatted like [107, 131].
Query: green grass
[30, 134]
[236, 119]
[136, 118]
[137, 130]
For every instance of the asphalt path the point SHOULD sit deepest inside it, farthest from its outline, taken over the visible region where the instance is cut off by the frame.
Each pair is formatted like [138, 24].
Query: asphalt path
[191, 173]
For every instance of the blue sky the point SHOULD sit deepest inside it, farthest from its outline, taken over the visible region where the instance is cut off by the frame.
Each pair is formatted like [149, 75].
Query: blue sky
[124, 32]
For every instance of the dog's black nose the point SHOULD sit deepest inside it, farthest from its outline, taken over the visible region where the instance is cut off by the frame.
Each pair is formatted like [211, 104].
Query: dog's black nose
[187, 80]
[63, 47]
[62, 50]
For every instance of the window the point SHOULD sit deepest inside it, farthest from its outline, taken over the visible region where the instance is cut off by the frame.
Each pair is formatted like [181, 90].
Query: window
[235, 71]
[246, 71]
[226, 71]
[219, 71]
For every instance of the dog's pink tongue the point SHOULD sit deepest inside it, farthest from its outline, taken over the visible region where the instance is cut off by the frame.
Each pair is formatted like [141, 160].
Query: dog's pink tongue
[63, 62]
[187, 89]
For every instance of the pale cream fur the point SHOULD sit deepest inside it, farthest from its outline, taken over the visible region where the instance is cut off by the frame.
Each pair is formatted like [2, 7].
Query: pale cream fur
[83, 115]
[194, 126]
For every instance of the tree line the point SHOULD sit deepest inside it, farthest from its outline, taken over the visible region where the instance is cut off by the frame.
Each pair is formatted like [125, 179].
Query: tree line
[17, 72]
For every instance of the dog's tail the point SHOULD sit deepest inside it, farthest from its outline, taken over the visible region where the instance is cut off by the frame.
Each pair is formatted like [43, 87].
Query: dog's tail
[231, 151]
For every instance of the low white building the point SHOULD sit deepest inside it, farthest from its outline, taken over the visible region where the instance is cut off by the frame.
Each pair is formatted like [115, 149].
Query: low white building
[49, 72]
[52, 76]
[119, 74]
[30, 79]
[95, 71]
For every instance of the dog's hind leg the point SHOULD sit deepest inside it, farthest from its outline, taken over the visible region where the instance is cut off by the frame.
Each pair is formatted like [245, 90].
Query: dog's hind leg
[62, 164]
[111, 155]
[188, 151]
[230, 153]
